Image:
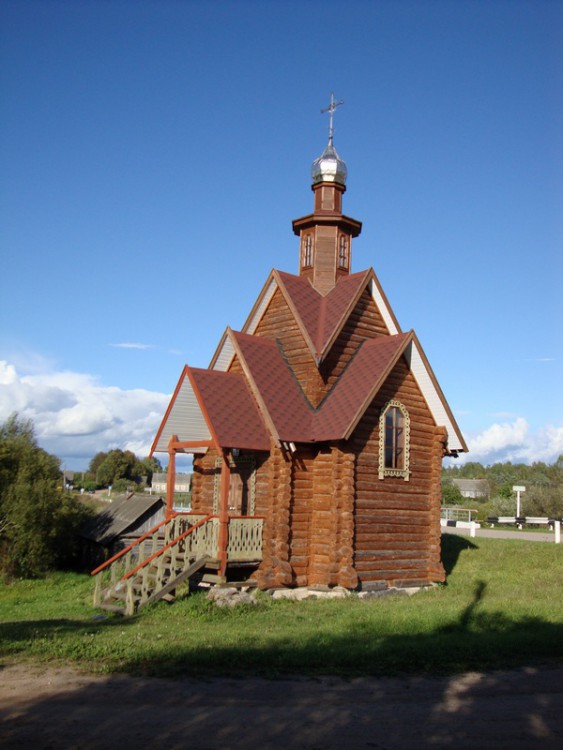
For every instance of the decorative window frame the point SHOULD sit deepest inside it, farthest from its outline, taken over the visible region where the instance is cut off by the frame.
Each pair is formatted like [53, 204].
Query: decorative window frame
[386, 471]
[239, 462]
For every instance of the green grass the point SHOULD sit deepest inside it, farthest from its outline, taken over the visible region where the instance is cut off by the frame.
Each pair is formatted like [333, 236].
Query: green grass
[502, 607]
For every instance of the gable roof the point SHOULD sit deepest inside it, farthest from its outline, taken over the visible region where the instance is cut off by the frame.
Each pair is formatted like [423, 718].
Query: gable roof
[243, 410]
[125, 511]
[346, 403]
[212, 407]
[320, 318]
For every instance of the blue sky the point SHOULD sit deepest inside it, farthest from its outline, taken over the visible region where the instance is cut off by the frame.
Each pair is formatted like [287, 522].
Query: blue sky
[153, 155]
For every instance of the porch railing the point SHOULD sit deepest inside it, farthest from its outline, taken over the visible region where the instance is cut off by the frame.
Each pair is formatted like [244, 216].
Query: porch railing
[181, 536]
[245, 538]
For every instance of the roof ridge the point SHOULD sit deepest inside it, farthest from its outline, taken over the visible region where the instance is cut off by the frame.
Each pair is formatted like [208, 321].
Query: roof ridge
[339, 378]
[294, 307]
[327, 339]
[294, 376]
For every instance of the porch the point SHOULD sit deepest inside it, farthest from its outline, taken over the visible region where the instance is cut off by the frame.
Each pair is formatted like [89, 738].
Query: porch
[167, 556]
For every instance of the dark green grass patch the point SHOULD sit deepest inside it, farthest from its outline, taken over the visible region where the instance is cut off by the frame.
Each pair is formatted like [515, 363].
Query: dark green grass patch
[502, 607]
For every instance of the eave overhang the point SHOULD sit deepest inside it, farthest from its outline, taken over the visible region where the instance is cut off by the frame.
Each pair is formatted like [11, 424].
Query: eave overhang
[346, 223]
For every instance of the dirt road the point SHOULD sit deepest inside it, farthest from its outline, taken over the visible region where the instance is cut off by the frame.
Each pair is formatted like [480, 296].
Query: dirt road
[61, 709]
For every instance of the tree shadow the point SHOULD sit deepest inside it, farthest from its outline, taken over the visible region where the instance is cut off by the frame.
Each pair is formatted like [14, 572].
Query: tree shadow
[452, 547]
[26, 631]
[520, 708]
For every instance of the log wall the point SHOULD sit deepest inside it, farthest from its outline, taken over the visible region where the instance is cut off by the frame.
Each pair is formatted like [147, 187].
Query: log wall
[365, 322]
[397, 522]
[302, 494]
[279, 323]
[275, 569]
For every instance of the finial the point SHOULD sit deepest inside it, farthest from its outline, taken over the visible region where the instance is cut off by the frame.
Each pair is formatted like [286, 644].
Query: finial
[331, 109]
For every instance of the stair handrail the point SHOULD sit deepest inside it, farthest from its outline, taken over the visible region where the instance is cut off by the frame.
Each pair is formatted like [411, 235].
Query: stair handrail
[138, 541]
[184, 534]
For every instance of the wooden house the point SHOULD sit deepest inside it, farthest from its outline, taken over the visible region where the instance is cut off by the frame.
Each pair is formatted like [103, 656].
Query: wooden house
[120, 524]
[318, 430]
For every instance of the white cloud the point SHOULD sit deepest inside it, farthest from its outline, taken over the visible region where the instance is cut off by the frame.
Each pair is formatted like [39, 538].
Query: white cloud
[132, 345]
[75, 416]
[513, 441]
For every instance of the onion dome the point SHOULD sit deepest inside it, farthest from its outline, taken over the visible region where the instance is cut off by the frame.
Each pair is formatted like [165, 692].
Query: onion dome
[329, 167]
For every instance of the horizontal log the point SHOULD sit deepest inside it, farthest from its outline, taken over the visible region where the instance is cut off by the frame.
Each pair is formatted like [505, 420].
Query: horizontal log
[374, 543]
[391, 569]
[390, 489]
[374, 509]
[414, 523]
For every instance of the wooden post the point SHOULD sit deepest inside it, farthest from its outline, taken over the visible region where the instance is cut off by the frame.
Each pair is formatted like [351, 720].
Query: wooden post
[171, 478]
[223, 539]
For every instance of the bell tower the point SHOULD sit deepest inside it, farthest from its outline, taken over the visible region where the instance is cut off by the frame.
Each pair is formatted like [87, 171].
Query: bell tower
[326, 235]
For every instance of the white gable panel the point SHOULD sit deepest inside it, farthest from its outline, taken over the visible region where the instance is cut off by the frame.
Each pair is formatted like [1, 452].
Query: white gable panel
[185, 420]
[225, 355]
[252, 324]
[432, 396]
[383, 308]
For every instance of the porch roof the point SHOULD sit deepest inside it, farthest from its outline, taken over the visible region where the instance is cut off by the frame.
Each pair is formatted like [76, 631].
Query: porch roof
[211, 407]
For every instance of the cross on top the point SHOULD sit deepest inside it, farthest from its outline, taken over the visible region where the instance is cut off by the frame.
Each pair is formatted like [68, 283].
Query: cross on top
[331, 109]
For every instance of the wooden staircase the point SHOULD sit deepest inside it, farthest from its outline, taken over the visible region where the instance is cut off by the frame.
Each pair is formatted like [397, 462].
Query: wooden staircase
[158, 563]
[153, 567]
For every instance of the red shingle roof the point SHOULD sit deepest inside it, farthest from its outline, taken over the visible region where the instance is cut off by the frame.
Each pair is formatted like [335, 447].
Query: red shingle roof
[292, 416]
[320, 317]
[244, 410]
[352, 393]
[274, 383]
[230, 409]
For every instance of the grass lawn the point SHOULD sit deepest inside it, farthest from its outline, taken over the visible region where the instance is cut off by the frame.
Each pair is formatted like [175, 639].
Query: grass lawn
[502, 607]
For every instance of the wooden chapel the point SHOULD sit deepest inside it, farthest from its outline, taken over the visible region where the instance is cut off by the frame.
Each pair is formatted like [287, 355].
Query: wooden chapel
[321, 418]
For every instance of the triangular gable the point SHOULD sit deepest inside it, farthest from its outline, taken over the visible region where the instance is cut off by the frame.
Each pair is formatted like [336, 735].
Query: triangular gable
[224, 353]
[293, 419]
[243, 410]
[358, 385]
[319, 318]
[212, 407]
[184, 418]
[231, 410]
[342, 409]
[434, 396]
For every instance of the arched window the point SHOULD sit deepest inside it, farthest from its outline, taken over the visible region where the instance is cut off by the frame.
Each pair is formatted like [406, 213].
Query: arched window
[394, 439]
[307, 251]
[343, 256]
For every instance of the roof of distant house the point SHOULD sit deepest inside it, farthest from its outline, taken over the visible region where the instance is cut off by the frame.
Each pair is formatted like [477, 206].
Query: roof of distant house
[119, 515]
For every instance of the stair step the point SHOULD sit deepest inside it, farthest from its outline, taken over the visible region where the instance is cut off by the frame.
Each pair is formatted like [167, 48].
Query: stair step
[213, 578]
[121, 594]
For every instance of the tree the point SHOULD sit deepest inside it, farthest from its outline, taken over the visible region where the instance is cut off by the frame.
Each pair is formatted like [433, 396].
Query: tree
[451, 494]
[38, 522]
[96, 462]
[119, 464]
[151, 466]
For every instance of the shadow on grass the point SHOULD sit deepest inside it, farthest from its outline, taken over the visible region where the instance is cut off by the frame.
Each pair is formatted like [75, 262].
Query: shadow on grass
[16, 637]
[499, 710]
[452, 547]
